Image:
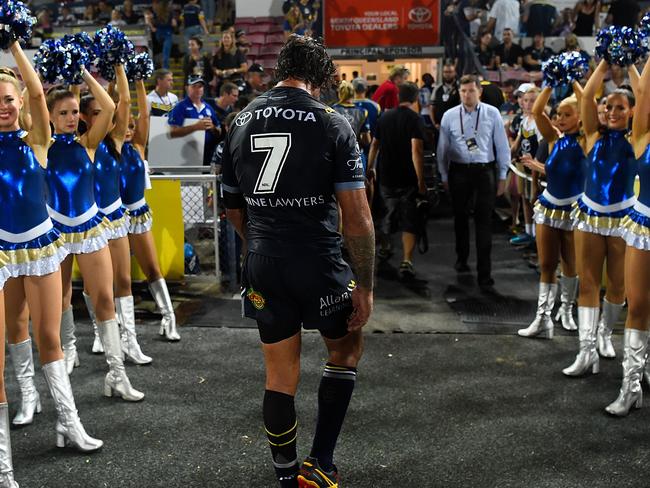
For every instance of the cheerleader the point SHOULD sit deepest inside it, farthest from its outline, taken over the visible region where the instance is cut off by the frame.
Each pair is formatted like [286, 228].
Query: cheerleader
[554, 227]
[73, 209]
[608, 198]
[34, 250]
[636, 232]
[107, 196]
[133, 175]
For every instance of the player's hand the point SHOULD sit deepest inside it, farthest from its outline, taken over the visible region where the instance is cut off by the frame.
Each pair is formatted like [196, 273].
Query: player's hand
[501, 187]
[362, 303]
[422, 187]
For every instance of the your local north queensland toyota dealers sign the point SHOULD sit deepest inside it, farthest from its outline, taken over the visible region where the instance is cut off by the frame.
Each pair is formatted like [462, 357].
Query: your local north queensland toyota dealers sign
[381, 23]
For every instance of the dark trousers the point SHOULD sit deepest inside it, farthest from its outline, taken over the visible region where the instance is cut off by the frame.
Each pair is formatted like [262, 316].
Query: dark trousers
[473, 184]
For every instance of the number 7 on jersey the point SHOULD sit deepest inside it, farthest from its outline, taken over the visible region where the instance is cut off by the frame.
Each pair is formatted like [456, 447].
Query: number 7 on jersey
[276, 146]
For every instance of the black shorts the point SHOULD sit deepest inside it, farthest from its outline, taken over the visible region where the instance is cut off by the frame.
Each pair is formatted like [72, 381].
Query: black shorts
[402, 214]
[285, 294]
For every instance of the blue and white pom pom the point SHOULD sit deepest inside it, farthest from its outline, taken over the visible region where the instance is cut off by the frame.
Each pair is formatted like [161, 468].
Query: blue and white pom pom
[564, 69]
[140, 67]
[644, 30]
[622, 46]
[86, 42]
[61, 61]
[16, 22]
[553, 71]
[112, 47]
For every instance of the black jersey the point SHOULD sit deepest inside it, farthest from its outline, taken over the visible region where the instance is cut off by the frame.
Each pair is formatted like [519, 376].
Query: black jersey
[286, 155]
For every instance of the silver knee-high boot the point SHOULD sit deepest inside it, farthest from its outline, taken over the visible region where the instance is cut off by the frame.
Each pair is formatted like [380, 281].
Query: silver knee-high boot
[161, 296]
[568, 291]
[587, 356]
[68, 341]
[635, 343]
[126, 315]
[98, 348]
[609, 316]
[23, 361]
[542, 325]
[6, 464]
[116, 381]
[69, 429]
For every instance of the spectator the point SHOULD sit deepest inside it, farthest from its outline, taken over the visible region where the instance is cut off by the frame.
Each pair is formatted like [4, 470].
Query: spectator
[536, 54]
[196, 62]
[228, 63]
[564, 23]
[357, 116]
[116, 19]
[66, 17]
[491, 94]
[503, 15]
[508, 54]
[194, 107]
[399, 139]
[90, 14]
[209, 10]
[446, 95]
[510, 105]
[193, 20]
[472, 138]
[162, 24]
[539, 18]
[623, 13]
[225, 103]
[309, 12]
[424, 99]
[218, 151]
[586, 18]
[43, 27]
[161, 100]
[484, 51]
[129, 15]
[242, 42]
[254, 85]
[360, 86]
[294, 22]
[387, 93]
[105, 12]
[618, 77]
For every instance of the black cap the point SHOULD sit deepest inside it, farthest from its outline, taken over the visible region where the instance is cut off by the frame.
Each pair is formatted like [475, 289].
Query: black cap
[240, 32]
[194, 79]
[256, 68]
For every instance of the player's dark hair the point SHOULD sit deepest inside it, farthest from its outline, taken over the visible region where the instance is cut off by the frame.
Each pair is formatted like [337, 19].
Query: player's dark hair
[408, 92]
[305, 59]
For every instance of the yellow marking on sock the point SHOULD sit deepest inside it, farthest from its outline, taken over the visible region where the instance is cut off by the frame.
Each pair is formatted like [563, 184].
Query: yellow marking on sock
[284, 433]
[284, 443]
[341, 368]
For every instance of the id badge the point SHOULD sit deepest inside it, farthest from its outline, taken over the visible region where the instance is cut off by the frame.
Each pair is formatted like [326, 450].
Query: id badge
[472, 146]
[445, 97]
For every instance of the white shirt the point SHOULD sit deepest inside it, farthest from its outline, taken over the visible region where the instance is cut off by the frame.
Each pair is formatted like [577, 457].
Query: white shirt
[162, 103]
[506, 14]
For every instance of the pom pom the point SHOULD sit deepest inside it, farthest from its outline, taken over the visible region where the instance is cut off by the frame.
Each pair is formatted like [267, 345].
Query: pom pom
[553, 71]
[112, 48]
[140, 67]
[644, 30]
[61, 61]
[16, 22]
[565, 68]
[87, 43]
[622, 46]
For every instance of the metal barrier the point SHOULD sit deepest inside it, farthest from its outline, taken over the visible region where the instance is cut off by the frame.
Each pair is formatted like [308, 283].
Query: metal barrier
[201, 213]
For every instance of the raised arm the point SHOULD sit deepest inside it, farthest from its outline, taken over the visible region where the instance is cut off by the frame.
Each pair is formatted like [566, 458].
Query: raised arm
[141, 136]
[123, 108]
[634, 75]
[541, 119]
[641, 122]
[40, 118]
[589, 106]
[578, 91]
[102, 125]
[25, 118]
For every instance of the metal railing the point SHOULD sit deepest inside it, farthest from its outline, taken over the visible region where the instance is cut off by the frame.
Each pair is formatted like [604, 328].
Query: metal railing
[200, 205]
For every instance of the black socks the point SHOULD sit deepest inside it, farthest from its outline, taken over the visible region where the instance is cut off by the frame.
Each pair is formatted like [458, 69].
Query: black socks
[281, 430]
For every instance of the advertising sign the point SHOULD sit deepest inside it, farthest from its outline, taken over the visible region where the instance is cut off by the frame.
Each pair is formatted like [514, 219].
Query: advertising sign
[381, 24]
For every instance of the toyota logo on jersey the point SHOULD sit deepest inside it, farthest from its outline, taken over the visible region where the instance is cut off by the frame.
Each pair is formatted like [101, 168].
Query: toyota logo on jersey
[243, 118]
[419, 15]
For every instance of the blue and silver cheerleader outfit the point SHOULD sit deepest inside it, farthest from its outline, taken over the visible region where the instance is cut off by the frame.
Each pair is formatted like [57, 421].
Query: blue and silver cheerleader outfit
[609, 190]
[107, 192]
[636, 225]
[71, 198]
[30, 245]
[565, 180]
[132, 185]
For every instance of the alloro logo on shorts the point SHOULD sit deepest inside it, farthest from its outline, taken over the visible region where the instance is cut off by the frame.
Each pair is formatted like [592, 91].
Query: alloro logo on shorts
[256, 299]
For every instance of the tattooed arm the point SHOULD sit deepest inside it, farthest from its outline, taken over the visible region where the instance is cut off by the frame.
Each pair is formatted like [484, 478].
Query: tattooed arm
[360, 242]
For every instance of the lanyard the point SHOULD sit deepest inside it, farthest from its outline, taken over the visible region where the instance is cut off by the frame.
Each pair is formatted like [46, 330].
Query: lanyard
[460, 115]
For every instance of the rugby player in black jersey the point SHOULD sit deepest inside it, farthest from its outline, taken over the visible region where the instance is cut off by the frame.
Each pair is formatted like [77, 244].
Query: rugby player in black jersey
[289, 163]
